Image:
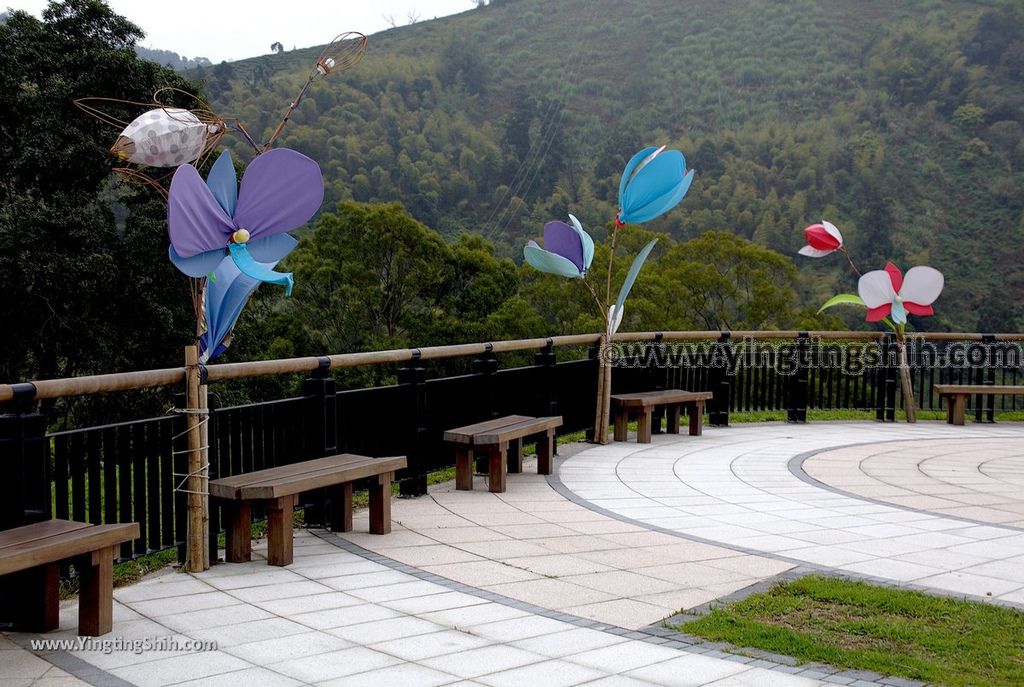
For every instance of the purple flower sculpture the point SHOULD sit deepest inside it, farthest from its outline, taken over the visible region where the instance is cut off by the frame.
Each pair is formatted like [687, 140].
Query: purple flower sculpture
[280, 191]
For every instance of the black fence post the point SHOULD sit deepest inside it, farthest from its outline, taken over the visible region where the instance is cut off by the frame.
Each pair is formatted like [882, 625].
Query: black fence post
[886, 381]
[485, 366]
[415, 415]
[798, 380]
[988, 373]
[321, 436]
[593, 354]
[214, 459]
[546, 359]
[655, 376]
[25, 498]
[720, 382]
[322, 391]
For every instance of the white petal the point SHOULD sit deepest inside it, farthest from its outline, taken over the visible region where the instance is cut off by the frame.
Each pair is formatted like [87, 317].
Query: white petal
[614, 320]
[875, 288]
[833, 232]
[815, 252]
[922, 285]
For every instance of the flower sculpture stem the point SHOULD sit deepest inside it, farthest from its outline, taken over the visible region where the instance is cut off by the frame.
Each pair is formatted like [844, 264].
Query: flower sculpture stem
[909, 403]
[653, 182]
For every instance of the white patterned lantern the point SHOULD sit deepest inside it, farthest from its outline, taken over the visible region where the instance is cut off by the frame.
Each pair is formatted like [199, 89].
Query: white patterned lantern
[164, 137]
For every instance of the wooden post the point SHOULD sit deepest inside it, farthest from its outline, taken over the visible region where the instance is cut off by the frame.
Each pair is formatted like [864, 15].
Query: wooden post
[196, 557]
[909, 403]
[604, 392]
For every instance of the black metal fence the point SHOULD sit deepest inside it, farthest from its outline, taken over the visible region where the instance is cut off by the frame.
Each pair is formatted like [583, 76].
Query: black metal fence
[132, 471]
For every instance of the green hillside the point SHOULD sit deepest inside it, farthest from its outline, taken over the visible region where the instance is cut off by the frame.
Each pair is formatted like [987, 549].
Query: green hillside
[901, 122]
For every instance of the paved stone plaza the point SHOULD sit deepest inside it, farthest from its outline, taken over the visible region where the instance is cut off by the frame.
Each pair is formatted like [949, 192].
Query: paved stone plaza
[565, 580]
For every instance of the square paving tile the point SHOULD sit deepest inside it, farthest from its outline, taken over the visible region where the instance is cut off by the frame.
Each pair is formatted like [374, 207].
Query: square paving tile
[419, 647]
[335, 664]
[548, 673]
[296, 646]
[473, 663]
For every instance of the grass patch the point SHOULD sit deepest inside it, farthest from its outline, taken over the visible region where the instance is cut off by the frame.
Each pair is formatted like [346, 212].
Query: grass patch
[853, 625]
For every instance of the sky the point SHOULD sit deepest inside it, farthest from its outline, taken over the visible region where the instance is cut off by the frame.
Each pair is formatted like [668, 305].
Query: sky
[236, 29]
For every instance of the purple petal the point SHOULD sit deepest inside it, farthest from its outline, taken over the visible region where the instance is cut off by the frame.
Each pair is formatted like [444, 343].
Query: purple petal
[195, 220]
[281, 190]
[561, 239]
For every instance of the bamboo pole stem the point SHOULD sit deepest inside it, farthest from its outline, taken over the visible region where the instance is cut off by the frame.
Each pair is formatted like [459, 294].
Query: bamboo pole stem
[196, 559]
[909, 403]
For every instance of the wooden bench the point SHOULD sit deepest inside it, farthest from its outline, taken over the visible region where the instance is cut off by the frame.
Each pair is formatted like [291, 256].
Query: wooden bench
[36, 551]
[501, 439]
[641, 405]
[278, 489]
[956, 396]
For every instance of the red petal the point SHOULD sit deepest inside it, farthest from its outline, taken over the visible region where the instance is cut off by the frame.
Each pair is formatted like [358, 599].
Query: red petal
[895, 276]
[818, 237]
[915, 309]
[876, 314]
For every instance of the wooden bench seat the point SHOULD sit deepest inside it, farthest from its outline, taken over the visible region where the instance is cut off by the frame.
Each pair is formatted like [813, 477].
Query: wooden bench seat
[32, 555]
[278, 489]
[956, 396]
[641, 405]
[501, 439]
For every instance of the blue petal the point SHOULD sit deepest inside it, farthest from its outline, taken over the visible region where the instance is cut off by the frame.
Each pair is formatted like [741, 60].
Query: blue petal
[899, 313]
[659, 206]
[250, 268]
[631, 166]
[198, 265]
[656, 189]
[223, 183]
[588, 243]
[223, 300]
[549, 262]
[271, 248]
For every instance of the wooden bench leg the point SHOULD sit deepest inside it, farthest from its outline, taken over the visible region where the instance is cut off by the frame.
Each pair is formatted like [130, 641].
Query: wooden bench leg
[380, 503]
[674, 411]
[515, 455]
[341, 508]
[496, 468]
[279, 530]
[621, 424]
[37, 605]
[545, 449]
[957, 408]
[696, 411]
[643, 426]
[238, 533]
[463, 468]
[96, 597]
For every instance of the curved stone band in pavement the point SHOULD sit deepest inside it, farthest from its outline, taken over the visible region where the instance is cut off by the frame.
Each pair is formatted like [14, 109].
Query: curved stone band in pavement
[733, 487]
[981, 480]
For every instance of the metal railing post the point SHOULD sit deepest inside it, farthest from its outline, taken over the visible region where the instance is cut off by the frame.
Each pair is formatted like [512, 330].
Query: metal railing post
[655, 376]
[799, 380]
[25, 461]
[415, 421]
[721, 384]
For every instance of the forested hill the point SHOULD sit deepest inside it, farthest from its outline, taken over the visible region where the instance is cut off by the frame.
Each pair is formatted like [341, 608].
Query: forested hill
[900, 121]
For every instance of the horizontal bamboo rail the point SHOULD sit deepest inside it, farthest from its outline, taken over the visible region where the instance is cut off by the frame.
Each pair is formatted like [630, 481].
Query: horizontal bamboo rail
[144, 379]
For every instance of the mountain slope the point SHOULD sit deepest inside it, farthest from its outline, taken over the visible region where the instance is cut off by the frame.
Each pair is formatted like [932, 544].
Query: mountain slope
[900, 122]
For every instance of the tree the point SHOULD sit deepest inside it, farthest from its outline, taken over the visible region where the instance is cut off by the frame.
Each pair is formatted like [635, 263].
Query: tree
[720, 281]
[82, 292]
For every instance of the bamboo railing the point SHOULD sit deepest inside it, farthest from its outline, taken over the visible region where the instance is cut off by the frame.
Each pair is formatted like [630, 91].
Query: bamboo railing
[143, 379]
